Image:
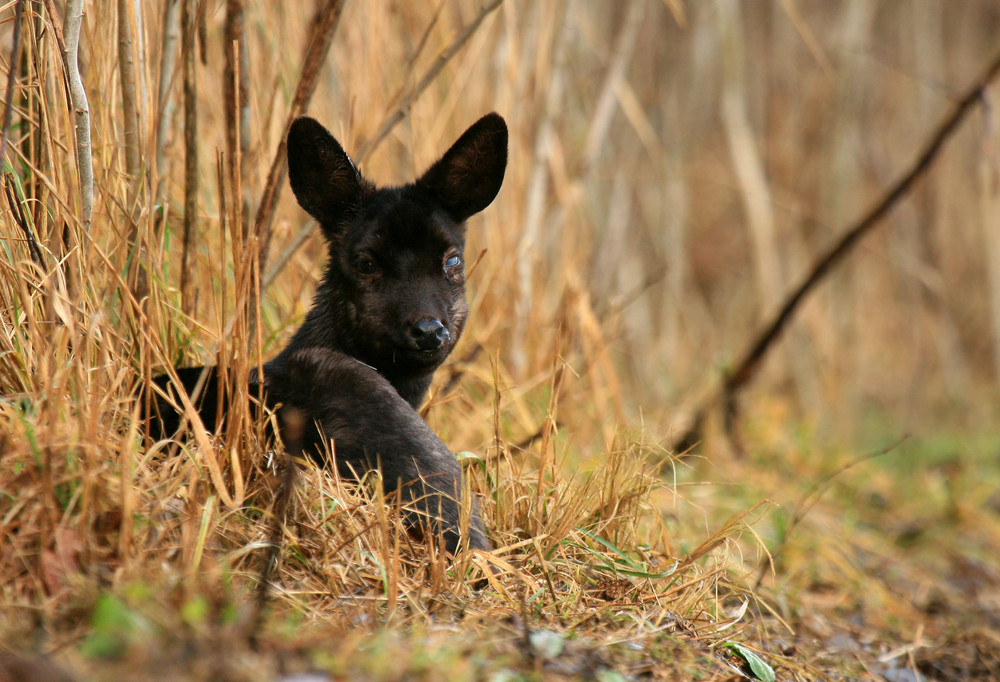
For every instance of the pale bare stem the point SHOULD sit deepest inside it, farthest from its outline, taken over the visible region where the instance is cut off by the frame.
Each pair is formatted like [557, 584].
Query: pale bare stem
[165, 101]
[190, 152]
[387, 125]
[81, 110]
[538, 191]
[536, 214]
[755, 192]
[607, 101]
[126, 72]
[747, 163]
[324, 25]
[989, 204]
[130, 127]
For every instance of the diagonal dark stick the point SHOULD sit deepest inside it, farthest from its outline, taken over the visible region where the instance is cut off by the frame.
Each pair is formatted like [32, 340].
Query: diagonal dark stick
[288, 469]
[17, 211]
[189, 40]
[11, 79]
[324, 25]
[404, 107]
[750, 363]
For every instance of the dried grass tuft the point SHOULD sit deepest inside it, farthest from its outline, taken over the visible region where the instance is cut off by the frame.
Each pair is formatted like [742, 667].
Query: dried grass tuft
[610, 273]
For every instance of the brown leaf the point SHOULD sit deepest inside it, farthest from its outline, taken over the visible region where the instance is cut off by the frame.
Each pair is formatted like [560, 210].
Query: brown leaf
[61, 561]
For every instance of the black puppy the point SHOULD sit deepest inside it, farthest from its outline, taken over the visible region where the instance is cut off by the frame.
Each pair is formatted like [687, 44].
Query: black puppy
[389, 311]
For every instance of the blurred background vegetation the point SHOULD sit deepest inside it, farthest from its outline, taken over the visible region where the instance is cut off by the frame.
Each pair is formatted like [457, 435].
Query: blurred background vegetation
[675, 168]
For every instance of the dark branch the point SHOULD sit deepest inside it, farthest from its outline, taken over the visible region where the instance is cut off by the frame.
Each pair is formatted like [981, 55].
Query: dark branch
[747, 367]
[11, 79]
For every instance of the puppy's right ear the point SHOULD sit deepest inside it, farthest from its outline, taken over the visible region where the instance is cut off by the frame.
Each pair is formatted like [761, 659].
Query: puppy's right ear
[322, 175]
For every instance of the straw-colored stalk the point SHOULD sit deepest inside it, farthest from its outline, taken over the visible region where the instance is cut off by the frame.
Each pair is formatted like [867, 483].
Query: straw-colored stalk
[989, 174]
[130, 118]
[164, 100]
[236, 96]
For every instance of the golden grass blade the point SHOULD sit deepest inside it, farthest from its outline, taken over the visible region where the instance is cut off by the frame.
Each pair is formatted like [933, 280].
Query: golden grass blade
[578, 351]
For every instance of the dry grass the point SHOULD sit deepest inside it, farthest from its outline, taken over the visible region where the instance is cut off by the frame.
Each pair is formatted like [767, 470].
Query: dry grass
[661, 195]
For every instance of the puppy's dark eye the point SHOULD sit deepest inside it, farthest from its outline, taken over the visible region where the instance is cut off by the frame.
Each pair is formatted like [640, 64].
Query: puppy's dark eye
[366, 266]
[453, 261]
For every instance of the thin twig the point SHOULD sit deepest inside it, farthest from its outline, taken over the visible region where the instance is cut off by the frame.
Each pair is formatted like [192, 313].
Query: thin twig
[811, 497]
[306, 231]
[747, 367]
[57, 28]
[8, 112]
[446, 55]
[324, 25]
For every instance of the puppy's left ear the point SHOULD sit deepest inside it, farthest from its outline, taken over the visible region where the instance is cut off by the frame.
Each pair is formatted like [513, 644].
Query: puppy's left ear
[469, 175]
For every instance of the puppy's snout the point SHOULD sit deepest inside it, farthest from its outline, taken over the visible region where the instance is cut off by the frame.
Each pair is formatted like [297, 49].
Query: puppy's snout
[429, 334]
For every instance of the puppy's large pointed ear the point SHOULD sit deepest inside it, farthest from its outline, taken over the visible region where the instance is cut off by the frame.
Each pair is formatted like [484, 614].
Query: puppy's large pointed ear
[469, 175]
[322, 175]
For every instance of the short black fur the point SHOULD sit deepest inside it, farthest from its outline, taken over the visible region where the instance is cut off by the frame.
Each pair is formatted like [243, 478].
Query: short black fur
[389, 310]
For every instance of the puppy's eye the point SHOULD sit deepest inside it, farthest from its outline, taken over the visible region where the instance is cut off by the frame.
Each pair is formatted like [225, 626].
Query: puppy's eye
[453, 261]
[366, 266]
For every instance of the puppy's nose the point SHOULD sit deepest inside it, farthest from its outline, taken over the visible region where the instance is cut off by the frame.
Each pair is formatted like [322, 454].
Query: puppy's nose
[429, 334]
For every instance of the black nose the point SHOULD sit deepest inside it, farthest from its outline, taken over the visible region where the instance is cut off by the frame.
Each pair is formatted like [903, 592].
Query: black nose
[429, 334]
